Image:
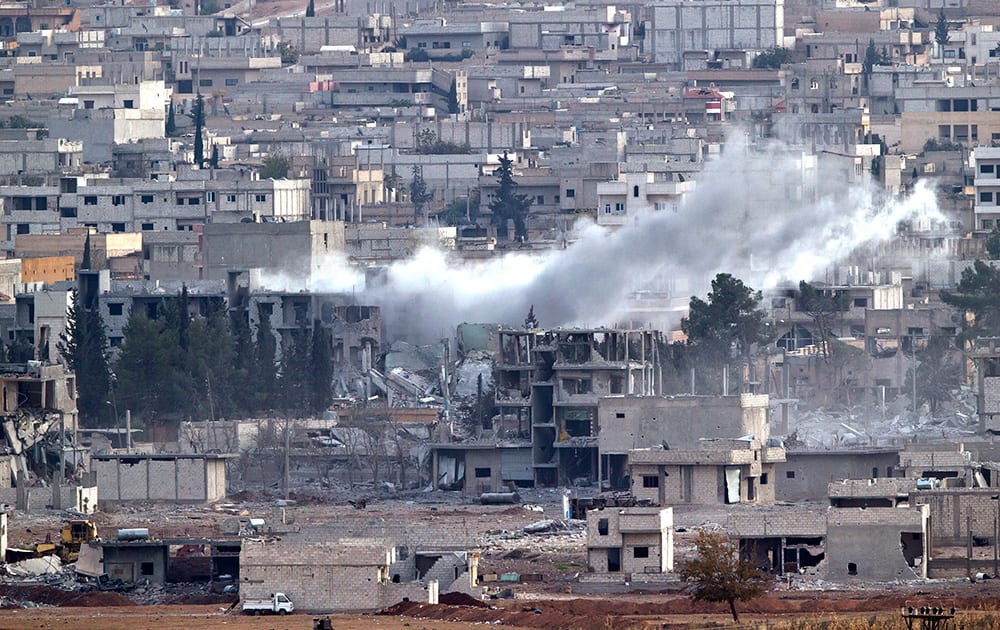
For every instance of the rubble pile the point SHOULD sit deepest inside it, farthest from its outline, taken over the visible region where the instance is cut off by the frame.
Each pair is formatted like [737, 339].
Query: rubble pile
[891, 426]
[539, 536]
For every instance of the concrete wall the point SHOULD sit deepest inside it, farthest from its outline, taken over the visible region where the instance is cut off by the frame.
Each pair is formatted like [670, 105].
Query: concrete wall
[682, 421]
[805, 476]
[867, 544]
[953, 510]
[326, 577]
[48, 269]
[180, 479]
[294, 248]
[136, 563]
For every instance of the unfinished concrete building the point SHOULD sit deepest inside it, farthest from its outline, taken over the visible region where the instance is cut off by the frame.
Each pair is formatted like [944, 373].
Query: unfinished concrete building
[549, 384]
[344, 576]
[631, 540]
[168, 477]
[675, 422]
[986, 356]
[717, 472]
[842, 544]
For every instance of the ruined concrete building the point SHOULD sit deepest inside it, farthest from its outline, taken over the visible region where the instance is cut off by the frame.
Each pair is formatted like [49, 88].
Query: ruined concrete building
[548, 388]
[549, 384]
[34, 399]
[631, 540]
[843, 544]
[689, 449]
[986, 356]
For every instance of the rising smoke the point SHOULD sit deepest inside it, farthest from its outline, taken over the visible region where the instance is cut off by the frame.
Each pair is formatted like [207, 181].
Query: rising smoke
[749, 215]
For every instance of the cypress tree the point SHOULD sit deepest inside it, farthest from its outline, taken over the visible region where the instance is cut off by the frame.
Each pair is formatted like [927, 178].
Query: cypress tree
[171, 125]
[199, 131]
[84, 348]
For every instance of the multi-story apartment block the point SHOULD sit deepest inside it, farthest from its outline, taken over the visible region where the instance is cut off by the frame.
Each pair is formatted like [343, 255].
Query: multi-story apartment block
[149, 206]
[634, 193]
[966, 115]
[985, 165]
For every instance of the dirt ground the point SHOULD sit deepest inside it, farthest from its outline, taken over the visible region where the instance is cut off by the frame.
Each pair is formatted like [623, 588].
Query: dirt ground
[625, 611]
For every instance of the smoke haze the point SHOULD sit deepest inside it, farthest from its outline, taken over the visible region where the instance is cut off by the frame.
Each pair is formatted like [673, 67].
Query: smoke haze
[749, 215]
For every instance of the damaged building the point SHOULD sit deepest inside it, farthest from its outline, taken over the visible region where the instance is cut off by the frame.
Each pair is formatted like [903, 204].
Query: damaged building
[358, 564]
[986, 357]
[548, 388]
[38, 404]
[630, 540]
[842, 544]
[717, 472]
[675, 422]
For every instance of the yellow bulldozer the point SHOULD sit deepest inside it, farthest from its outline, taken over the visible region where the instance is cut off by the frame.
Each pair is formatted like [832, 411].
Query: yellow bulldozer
[75, 534]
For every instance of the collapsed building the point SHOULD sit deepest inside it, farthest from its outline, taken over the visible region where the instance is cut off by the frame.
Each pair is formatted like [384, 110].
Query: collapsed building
[39, 417]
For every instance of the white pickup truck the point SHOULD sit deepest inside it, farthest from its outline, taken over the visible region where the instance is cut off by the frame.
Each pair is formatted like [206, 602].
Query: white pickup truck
[278, 603]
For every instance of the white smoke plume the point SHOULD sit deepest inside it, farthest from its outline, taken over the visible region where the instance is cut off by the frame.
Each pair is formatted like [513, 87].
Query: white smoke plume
[745, 218]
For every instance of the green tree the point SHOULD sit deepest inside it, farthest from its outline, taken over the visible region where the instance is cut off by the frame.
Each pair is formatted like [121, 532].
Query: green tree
[241, 377]
[428, 143]
[826, 308]
[213, 162]
[462, 211]
[171, 124]
[453, 105]
[289, 54]
[868, 64]
[417, 54]
[295, 378]
[20, 351]
[321, 369]
[419, 195]
[771, 59]
[275, 167]
[147, 366]
[719, 573]
[938, 373]
[729, 323]
[265, 373]
[508, 204]
[311, 9]
[210, 357]
[941, 35]
[84, 347]
[199, 131]
[978, 297]
[993, 243]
